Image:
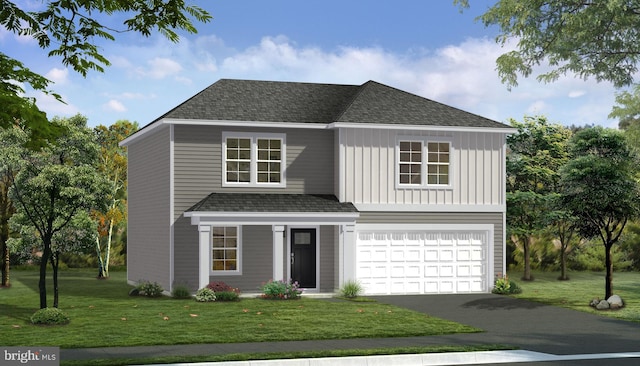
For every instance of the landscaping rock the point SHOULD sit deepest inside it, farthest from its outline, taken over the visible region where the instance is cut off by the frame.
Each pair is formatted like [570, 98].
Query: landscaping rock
[615, 302]
[134, 292]
[594, 302]
[602, 305]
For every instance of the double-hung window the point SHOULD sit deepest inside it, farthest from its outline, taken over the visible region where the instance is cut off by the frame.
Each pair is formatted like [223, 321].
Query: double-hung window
[253, 159]
[423, 162]
[225, 250]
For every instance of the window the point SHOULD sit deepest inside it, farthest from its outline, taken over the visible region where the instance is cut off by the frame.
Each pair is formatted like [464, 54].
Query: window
[424, 162]
[225, 249]
[253, 159]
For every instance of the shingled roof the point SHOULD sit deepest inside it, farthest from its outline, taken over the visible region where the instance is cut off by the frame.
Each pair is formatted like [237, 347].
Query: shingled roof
[273, 101]
[270, 203]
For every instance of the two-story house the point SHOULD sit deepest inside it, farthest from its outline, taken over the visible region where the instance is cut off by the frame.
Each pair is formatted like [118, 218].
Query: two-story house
[249, 181]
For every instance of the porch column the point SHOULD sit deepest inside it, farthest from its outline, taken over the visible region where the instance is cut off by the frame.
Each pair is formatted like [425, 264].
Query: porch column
[278, 252]
[348, 262]
[204, 254]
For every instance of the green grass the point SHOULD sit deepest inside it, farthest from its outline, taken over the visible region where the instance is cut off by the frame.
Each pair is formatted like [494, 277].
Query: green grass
[580, 289]
[103, 315]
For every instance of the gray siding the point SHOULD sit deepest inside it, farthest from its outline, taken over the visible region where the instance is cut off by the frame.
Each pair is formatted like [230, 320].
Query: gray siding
[257, 260]
[185, 253]
[198, 163]
[328, 258]
[148, 231]
[495, 219]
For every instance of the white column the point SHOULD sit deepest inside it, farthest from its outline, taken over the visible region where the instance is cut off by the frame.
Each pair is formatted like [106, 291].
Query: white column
[278, 252]
[204, 263]
[348, 254]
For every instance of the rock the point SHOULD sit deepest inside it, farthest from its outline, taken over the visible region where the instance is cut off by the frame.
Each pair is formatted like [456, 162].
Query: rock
[134, 292]
[594, 302]
[602, 305]
[615, 302]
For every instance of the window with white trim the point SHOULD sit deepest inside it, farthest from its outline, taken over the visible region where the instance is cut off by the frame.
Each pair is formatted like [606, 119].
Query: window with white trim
[253, 159]
[423, 162]
[225, 250]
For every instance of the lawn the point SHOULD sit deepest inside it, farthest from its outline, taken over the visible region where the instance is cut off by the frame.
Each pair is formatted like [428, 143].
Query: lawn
[102, 314]
[580, 289]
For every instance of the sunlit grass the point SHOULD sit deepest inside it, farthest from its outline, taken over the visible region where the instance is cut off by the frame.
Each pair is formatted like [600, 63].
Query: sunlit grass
[581, 288]
[103, 315]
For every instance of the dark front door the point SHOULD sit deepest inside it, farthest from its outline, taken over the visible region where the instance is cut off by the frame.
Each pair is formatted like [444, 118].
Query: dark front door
[303, 257]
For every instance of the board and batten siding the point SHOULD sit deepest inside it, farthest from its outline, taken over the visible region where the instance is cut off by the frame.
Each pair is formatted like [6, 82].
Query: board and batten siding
[198, 163]
[454, 218]
[369, 168]
[148, 229]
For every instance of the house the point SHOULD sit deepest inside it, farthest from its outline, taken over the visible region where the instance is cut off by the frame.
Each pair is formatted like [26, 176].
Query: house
[249, 181]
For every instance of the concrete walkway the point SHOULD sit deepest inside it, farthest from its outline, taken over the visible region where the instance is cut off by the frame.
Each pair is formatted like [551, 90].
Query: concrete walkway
[547, 331]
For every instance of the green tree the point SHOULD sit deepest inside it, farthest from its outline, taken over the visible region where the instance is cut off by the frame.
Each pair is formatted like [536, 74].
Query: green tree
[563, 226]
[113, 165]
[600, 188]
[627, 110]
[587, 38]
[69, 29]
[535, 154]
[54, 185]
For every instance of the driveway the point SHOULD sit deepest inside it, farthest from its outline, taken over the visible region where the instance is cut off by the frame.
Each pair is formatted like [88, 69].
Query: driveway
[527, 325]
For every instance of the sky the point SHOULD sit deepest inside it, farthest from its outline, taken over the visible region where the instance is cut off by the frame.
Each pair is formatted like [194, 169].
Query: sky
[428, 48]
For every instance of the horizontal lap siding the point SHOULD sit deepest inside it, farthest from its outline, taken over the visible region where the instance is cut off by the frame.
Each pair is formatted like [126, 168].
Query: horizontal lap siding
[328, 258]
[370, 168]
[148, 231]
[459, 218]
[198, 163]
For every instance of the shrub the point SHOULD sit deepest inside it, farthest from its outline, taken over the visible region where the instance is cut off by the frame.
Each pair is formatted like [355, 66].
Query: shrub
[181, 292]
[205, 294]
[351, 289]
[227, 296]
[49, 316]
[504, 286]
[281, 290]
[219, 286]
[150, 289]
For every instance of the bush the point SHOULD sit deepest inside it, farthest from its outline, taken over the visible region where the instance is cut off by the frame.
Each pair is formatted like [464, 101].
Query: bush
[227, 296]
[181, 292]
[351, 289]
[504, 286]
[281, 290]
[205, 294]
[49, 316]
[219, 286]
[150, 289]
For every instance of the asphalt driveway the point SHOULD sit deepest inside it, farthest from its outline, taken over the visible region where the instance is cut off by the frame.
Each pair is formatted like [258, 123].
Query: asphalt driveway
[527, 325]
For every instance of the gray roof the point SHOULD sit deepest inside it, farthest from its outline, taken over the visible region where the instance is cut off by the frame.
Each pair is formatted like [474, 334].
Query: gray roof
[259, 202]
[274, 101]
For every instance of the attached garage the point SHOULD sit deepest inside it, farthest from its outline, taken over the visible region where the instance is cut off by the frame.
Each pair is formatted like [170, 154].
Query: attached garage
[424, 259]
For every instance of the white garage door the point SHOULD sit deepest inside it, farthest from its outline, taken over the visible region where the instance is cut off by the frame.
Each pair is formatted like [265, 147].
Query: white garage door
[422, 261]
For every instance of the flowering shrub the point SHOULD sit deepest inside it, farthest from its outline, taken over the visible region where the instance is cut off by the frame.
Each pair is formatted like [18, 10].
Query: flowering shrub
[504, 286]
[150, 289]
[205, 294]
[281, 290]
[224, 292]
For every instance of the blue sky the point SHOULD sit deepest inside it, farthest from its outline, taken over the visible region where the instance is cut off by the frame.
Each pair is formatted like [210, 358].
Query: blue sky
[425, 47]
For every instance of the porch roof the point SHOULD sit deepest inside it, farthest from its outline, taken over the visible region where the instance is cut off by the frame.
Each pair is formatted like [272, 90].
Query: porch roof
[271, 208]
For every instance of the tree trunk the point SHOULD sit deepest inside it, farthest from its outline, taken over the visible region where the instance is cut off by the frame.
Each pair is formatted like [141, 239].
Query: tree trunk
[563, 262]
[6, 211]
[609, 266]
[42, 283]
[100, 262]
[108, 254]
[55, 261]
[526, 246]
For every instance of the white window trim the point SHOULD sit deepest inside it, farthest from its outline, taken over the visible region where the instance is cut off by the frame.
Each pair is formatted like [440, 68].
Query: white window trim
[425, 140]
[238, 270]
[253, 180]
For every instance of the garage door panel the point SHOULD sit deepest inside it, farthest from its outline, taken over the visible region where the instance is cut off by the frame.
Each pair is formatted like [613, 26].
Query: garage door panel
[396, 262]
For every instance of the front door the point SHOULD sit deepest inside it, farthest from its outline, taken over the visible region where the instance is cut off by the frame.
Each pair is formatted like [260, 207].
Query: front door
[303, 257]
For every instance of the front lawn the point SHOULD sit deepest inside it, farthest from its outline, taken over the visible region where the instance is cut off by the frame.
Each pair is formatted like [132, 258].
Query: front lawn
[103, 315]
[580, 289]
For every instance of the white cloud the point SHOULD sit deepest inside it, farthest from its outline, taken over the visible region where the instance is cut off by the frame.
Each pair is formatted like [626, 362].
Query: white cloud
[114, 106]
[160, 68]
[576, 93]
[58, 76]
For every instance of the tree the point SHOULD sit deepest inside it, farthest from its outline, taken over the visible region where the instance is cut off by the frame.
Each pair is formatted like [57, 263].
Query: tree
[535, 154]
[54, 186]
[113, 165]
[69, 29]
[628, 109]
[563, 226]
[587, 38]
[600, 188]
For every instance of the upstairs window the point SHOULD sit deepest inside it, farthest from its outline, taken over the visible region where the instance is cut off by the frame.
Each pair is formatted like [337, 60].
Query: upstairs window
[253, 159]
[423, 162]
